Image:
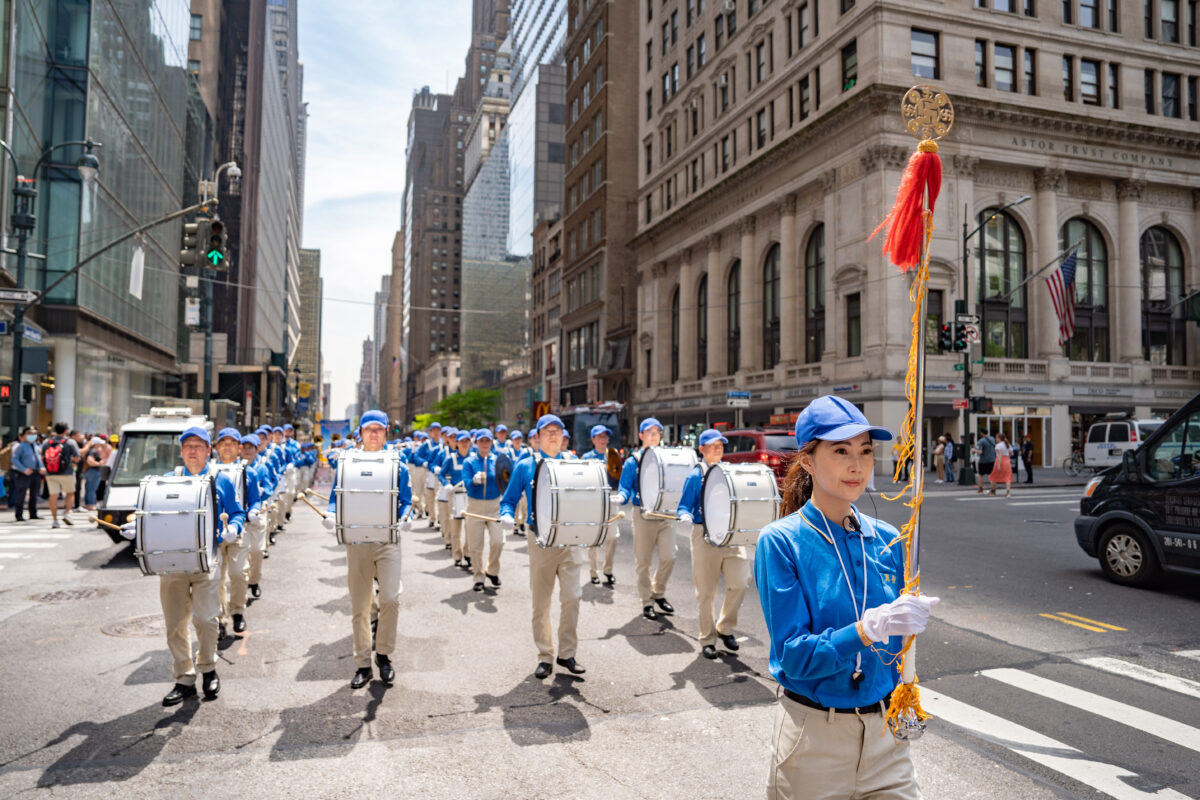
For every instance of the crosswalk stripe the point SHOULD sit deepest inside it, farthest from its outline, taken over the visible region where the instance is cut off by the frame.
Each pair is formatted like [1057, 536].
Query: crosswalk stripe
[28, 544]
[1062, 758]
[1194, 655]
[13, 555]
[1144, 674]
[1145, 721]
[1047, 503]
[12, 537]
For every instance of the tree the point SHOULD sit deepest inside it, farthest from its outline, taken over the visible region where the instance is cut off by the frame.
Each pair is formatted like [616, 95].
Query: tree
[423, 421]
[473, 408]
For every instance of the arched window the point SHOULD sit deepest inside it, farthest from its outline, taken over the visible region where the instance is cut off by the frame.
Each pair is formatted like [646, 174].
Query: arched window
[702, 328]
[733, 347]
[1090, 342]
[675, 335]
[1162, 287]
[1000, 263]
[814, 296]
[770, 293]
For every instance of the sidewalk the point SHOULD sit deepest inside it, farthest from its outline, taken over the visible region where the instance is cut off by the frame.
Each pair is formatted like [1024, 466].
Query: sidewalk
[1043, 478]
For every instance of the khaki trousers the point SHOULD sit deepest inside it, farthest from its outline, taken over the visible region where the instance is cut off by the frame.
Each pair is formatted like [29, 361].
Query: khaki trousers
[545, 565]
[256, 536]
[431, 506]
[709, 564]
[458, 537]
[365, 564]
[820, 755]
[522, 513]
[495, 535]
[418, 488]
[235, 576]
[650, 535]
[192, 599]
[610, 550]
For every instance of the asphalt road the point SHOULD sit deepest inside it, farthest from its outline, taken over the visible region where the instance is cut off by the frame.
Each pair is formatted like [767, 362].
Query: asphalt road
[1026, 705]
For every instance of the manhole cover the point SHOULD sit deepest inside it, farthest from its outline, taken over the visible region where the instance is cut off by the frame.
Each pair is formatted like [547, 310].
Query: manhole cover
[148, 625]
[67, 595]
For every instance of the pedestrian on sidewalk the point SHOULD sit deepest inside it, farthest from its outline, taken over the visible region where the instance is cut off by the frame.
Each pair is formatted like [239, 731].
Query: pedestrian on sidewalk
[939, 459]
[9, 474]
[985, 449]
[93, 463]
[60, 455]
[1027, 457]
[950, 455]
[29, 469]
[1002, 471]
[81, 442]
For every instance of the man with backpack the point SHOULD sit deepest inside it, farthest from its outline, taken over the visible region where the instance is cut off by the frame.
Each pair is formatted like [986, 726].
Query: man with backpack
[60, 455]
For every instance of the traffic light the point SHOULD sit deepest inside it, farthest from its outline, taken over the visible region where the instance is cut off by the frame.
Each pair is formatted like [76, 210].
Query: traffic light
[981, 405]
[946, 339]
[217, 239]
[960, 337]
[193, 234]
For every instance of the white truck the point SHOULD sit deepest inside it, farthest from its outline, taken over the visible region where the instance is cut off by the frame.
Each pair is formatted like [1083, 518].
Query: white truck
[149, 446]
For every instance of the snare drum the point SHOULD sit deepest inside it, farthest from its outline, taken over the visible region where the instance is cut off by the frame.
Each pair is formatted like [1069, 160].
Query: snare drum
[237, 473]
[175, 528]
[570, 503]
[661, 473]
[431, 481]
[368, 488]
[739, 500]
[458, 500]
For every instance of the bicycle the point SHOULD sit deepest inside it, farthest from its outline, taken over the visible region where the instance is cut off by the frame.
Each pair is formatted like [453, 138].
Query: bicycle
[1073, 464]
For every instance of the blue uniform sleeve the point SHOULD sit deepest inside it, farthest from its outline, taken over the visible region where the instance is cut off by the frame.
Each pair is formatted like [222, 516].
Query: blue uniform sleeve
[518, 483]
[627, 488]
[800, 652]
[469, 468]
[332, 509]
[404, 498]
[228, 504]
[689, 500]
[253, 493]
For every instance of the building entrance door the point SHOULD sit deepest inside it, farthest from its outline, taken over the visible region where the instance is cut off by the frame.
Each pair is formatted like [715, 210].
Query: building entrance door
[1014, 422]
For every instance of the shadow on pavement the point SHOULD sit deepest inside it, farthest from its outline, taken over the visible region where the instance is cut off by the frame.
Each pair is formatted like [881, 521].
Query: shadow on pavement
[484, 601]
[652, 638]
[111, 556]
[338, 605]
[154, 666]
[536, 713]
[598, 594]
[725, 681]
[335, 723]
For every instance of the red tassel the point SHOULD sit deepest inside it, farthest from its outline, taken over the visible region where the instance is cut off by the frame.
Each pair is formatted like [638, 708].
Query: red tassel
[905, 222]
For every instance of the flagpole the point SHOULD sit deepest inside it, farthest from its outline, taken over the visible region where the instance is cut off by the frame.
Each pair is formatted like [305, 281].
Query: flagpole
[1070, 248]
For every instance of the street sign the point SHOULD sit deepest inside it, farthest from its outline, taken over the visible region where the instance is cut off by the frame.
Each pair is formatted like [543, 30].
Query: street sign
[22, 296]
[33, 333]
[960, 403]
[973, 332]
[967, 319]
[303, 390]
[737, 402]
[958, 367]
[735, 393]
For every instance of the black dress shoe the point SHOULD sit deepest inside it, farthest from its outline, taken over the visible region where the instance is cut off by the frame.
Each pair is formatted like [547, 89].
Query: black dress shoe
[266, 553]
[664, 605]
[387, 673]
[221, 632]
[709, 651]
[271, 537]
[649, 613]
[239, 623]
[479, 586]
[180, 693]
[458, 562]
[255, 591]
[730, 642]
[361, 678]
[543, 670]
[211, 684]
[609, 580]
[596, 580]
[570, 665]
[495, 579]
[447, 547]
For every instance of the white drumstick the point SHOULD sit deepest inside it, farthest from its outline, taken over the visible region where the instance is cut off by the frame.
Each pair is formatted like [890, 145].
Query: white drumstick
[224, 524]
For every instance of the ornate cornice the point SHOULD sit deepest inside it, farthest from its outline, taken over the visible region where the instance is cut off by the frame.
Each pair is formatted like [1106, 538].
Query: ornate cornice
[965, 166]
[658, 269]
[754, 33]
[887, 155]
[787, 206]
[1130, 189]
[1047, 179]
[745, 225]
[714, 241]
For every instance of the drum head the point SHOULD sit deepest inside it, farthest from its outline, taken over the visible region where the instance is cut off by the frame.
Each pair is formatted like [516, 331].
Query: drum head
[543, 498]
[717, 504]
[649, 479]
[504, 469]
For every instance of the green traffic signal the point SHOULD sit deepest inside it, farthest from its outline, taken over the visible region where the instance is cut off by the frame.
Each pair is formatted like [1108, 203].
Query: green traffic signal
[217, 241]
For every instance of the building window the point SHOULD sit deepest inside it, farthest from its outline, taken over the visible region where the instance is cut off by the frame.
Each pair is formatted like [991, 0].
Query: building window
[666, 37]
[1006, 66]
[1170, 95]
[1030, 8]
[846, 5]
[762, 128]
[702, 328]
[691, 61]
[701, 52]
[1089, 13]
[853, 325]
[649, 103]
[771, 318]
[925, 54]
[1001, 266]
[675, 78]
[674, 26]
[719, 30]
[849, 65]
[666, 87]
[760, 62]
[196, 29]
[1089, 81]
[1148, 14]
[675, 335]
[1162, 286]
[1066, 12]
[723, 90]
[649, 54]
[804, 30]
[1114, 17]
[1114, 85]
[752, 7]
[980, 62]
[1090, 340]
[805, 98]
[1149, 88]
[1030, 71]
[733, 291]
[691, 12]
[1169, 15]
[1193, 114]
[725, 154]
[193, 66]
[1068, 79]
[814, 296]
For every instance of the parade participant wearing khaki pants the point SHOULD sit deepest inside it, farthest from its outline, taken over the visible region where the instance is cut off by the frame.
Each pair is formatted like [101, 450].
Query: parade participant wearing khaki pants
[483, 498]
[235, 554]
[547, 564]
[430, 494]
[649, 535]
[256, 516]
[710, 563]
[451, 478]
[599, 452]
[369, 562]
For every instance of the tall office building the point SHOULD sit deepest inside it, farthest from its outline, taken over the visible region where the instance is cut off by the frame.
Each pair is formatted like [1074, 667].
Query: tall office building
[308, 355]
[366, 397]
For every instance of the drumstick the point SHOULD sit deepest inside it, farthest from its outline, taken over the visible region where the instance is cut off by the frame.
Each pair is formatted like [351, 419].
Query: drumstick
[657, 515]
[105, 524]
[611, 520]
[314, 508]
[480, 516]
[318, 494]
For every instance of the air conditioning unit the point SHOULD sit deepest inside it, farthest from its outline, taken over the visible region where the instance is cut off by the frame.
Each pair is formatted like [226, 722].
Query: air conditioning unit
[728, 7]
[722, 81]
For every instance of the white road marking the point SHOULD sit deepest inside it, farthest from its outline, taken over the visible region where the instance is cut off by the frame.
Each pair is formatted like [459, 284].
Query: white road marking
[14, 555]
[1107, 778]
[1144, 674]
[29, 544]
[1048, 503]
[11, 537]
[1146, 721]
[1194, 655]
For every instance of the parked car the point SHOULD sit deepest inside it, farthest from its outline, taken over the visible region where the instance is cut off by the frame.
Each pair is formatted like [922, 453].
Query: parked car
[1109, 438]
[773, 447]
[1143, 515]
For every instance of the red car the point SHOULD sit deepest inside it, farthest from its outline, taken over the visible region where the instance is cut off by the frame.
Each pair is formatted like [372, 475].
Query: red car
[772, 446]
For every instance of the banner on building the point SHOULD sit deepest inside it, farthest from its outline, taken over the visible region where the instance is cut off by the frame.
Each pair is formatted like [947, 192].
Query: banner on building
[331, 426]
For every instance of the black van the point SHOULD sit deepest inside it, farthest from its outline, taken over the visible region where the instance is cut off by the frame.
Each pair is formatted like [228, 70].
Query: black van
[1143, 516]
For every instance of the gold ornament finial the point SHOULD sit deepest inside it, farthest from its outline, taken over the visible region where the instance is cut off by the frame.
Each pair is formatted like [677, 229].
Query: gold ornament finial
[927, 111]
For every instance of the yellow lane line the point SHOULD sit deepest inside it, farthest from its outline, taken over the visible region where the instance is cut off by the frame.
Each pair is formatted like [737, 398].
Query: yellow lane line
[1076, 624]
[1092, 621]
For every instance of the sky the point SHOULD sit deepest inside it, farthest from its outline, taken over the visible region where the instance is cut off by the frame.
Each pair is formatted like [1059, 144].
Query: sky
[362, 63]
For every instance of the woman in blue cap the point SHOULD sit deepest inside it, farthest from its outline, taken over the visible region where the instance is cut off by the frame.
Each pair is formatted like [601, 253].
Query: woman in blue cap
[829, 579]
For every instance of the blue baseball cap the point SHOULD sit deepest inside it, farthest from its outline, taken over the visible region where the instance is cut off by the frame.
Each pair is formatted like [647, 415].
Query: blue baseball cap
[484, 433]
[516, 434]
[501, 427]
[437, 426]
[421, 435]
[251, 438]
[277, 429]
[598, 430]
[232, 433]
[463, 436]
[833, 419]
[198, 432]
[565, 434]
[287, 426]
[373, 417]
[549, 419]
[712, 435]
[648, 423]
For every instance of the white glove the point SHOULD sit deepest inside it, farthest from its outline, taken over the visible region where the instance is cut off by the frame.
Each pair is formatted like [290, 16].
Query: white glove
[907, 615]
[479, 479]
[622, 498]
[406, 525]
[252, 516]
[686, 518]
[330, 523]
[507, 523]
[129, 530]
[437, 471]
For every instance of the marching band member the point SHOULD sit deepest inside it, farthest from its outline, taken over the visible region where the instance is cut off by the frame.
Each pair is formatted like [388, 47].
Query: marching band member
[567, 451]
[369, 562]
[828, 578]
[483, 498]
[519, 452]
[546, 564]
[417, 469]
[451, 476]
[709, 563]
[432, 458]
[648, 534]
[516, 446]
[235, 566]
[256, 522]
[196, 597]
[449, 439]
[502, 444]
[599, 452]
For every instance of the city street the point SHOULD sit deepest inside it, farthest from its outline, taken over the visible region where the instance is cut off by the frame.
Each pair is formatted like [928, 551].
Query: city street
[1046, 680]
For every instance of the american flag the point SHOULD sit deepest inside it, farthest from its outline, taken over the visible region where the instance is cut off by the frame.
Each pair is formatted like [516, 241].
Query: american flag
[1061, 284]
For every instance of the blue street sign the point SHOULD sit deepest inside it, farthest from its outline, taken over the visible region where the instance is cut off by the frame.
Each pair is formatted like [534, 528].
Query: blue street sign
[734, 394]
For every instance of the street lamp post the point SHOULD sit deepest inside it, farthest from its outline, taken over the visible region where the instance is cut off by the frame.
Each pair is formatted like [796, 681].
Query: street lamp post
[965, 475]
[209, 189]
[23, 221]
